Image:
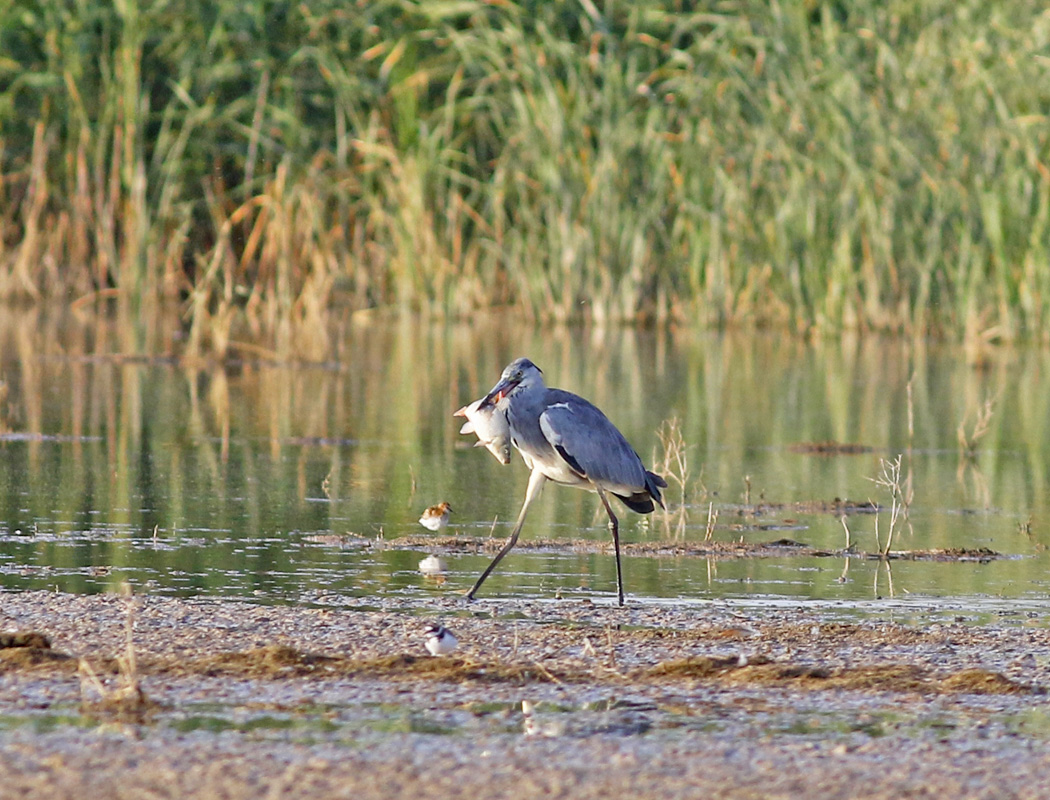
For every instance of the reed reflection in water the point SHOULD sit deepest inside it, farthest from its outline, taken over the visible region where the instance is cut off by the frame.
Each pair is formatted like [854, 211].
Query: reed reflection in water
[121, 460]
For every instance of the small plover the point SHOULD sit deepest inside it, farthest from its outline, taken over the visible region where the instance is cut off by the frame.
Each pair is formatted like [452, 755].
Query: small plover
[435, 518]
[432, 566]
[490, 425]
[440, 641]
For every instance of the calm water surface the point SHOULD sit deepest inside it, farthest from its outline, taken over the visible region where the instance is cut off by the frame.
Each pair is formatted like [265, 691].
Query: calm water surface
[247, 479]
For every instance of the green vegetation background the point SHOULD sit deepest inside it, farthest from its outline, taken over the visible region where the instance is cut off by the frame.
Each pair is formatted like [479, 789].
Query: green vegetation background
[872, 164]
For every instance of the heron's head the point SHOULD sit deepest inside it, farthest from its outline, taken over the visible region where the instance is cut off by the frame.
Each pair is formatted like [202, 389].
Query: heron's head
[520, 375]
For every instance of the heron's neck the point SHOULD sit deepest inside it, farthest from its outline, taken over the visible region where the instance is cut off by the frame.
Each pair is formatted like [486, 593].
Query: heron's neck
[529, 404]
[523, 415]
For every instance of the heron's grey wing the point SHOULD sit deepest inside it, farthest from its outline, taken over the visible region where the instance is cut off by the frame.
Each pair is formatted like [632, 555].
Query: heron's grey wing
[591, 444]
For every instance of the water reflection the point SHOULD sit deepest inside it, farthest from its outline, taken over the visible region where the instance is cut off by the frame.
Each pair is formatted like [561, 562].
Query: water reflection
[217, 478]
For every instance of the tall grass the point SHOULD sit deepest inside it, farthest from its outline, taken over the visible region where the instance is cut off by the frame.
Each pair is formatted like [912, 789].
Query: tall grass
[820, 165]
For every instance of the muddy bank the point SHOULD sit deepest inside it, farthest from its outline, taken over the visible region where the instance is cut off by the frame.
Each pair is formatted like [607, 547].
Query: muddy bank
[712, 549]
[666, 701]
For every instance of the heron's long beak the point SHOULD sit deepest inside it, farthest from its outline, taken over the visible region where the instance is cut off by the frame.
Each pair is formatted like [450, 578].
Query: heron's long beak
[499, 391]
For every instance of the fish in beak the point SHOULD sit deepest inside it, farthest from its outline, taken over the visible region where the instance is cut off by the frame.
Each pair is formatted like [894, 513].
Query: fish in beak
[490, 426]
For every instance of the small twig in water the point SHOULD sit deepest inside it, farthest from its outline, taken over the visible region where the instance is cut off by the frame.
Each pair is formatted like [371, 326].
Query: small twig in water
[981, 424]
[911, 411]
[712, 518]
[890, 478]
[889, 577]
[844, 577]
[674, 465]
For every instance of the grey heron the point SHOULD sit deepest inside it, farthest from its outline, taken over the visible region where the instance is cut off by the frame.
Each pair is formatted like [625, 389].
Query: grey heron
[568, 440]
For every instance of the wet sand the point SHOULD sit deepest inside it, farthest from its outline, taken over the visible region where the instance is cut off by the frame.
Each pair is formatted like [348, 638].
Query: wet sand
[243, 700]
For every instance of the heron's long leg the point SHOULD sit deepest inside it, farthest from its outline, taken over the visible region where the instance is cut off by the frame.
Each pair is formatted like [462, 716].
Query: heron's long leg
[614, 526]
[536, 481]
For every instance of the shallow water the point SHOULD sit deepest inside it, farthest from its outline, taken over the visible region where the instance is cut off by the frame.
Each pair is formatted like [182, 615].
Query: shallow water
[360, 725]
[246, 479]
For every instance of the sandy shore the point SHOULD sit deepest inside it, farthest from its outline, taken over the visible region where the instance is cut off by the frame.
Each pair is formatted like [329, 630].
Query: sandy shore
[252, 701]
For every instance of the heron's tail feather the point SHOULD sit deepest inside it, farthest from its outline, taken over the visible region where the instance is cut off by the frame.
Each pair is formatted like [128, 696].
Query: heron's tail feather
[654, 483]
[654, 478]
[642, 502]
[639, 502]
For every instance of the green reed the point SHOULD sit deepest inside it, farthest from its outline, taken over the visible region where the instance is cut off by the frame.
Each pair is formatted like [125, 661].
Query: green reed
[820, 165]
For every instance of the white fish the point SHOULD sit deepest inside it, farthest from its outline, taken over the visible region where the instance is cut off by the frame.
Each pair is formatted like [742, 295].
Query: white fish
[491, 427]
[440, 641]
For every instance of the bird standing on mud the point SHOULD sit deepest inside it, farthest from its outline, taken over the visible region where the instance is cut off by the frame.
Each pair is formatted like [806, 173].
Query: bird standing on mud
[440, 641]
[565, 439]
[435, 518]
